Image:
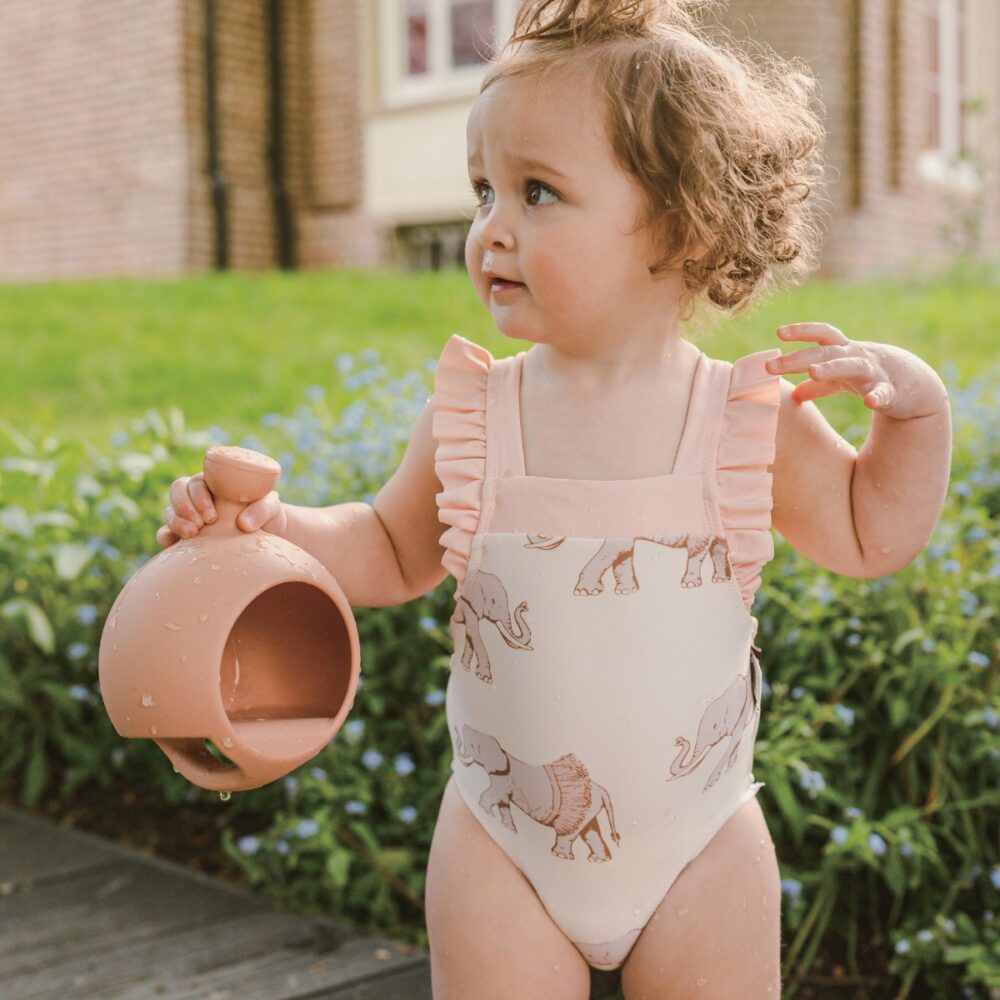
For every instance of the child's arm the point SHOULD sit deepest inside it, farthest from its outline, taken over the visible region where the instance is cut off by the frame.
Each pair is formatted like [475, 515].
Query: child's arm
[869, 513]
[386, 553]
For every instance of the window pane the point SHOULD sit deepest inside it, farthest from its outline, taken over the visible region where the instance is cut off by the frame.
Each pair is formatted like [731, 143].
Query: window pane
[472, 32]
[416, 37]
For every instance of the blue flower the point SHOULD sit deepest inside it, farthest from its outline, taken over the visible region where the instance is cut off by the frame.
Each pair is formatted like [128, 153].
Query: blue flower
[853, 639]
[838, 834]
[77, 650]
[995, 877]
[248, 845]
[925, 935]
[119, 438]
[928, 645]
[355, 808]
[404, 764]
[318, 773]
[315, 393]
[990, 717]
[434, 697]
[345, 362]
[854, 621]
[408, 814]
[765, 688]
[950, 566]
[798, 692]
[902, 946]
[847, 714]
[291, 785]
[371, 759]
[281, 847]
[272, 420]
[906, 849]
[79, 693]
[961, 489]
[307, 828]
[876, 845]
[428, 623]
[791, 887]
[948, 924]
[86, 614]
[354, 729]
[812, 781]
[978, 659]
[852, 812]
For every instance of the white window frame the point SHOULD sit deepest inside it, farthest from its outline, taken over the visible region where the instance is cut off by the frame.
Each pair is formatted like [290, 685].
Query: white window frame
[936, 164]
[441, 81]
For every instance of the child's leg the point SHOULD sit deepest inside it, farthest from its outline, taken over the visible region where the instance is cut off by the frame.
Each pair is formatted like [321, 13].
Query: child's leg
[490, 937]
[717, 933]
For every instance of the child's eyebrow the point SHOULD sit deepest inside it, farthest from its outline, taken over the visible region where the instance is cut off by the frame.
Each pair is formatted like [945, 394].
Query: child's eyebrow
[526, 162]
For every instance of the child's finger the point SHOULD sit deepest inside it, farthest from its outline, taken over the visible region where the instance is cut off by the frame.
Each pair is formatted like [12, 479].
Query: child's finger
[165, 537]
[182, 503]
[201, 497]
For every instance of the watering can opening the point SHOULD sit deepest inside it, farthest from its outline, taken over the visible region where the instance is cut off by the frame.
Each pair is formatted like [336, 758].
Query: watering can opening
[286, 670]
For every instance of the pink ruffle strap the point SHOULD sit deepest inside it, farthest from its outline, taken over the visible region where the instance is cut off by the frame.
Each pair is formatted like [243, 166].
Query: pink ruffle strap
[746, 448]
[459, 425]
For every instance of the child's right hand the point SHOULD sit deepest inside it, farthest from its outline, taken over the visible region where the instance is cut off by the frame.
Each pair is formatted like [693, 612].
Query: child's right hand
[191, 507]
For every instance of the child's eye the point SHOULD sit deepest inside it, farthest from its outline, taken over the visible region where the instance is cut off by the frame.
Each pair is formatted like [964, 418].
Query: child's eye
[478, 187]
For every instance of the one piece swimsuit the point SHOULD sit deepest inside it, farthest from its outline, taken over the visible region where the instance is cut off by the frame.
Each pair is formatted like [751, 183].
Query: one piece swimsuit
[604, 692]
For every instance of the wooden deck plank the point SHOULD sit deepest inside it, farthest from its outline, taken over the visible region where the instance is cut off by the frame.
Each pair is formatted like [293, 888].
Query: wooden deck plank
[86, 918]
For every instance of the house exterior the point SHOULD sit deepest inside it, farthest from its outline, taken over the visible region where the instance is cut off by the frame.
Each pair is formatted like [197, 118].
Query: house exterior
[167, 137]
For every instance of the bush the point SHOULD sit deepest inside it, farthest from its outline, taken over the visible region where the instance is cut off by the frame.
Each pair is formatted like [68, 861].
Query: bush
[877, 743]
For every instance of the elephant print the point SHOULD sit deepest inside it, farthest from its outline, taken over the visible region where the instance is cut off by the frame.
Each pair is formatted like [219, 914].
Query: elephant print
[560, 795]
[726, 718]
[618, 552]
[483, 597]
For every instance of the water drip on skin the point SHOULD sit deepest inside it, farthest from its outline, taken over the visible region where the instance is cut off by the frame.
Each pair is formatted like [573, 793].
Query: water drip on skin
[224, 796]
[683, 910]
[700, 982]
[152, 730]
[172, 626]
[203, 618]
[147, 700]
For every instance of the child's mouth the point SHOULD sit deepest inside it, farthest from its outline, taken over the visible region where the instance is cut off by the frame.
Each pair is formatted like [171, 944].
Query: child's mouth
[500, 285]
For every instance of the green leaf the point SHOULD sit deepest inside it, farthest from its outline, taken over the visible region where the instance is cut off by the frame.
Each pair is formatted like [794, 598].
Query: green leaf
[34, 774]
[338, 864]
[69, 559]
[17, 522]
[39, 626]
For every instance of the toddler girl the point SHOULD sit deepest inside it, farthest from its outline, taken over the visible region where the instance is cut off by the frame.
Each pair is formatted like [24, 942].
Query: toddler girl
[608, 496]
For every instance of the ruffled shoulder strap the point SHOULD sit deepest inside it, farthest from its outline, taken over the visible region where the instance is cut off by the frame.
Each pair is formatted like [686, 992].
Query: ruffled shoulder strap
[459, 426]
[746, 447]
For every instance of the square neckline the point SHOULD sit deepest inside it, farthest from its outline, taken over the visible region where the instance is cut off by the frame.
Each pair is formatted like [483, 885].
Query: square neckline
[518, 432]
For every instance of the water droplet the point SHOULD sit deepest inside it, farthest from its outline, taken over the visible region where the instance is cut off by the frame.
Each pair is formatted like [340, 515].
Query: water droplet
[215, 565]
[152, 730]
[227, 742]
[744, 902]
[184, 658]
[757, 858]
[683, 910]
[172, 626]
[203, 618]
[197, 579]
[147, 700]
[114, 623]
[700, 981]
[157, 595]
[884, 549]
[115, 646]
[636, 911]
[224, 796]
[761, 841]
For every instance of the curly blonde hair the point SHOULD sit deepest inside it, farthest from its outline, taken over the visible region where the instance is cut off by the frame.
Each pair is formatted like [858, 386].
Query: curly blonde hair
[725, 147]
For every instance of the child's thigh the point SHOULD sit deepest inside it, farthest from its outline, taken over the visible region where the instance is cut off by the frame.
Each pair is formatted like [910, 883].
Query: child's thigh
[490, 937]
[717, 932]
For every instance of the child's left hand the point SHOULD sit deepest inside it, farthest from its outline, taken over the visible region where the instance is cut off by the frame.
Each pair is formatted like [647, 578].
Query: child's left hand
[888, 379]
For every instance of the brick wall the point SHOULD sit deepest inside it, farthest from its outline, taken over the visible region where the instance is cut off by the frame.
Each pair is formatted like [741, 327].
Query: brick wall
[92, 139]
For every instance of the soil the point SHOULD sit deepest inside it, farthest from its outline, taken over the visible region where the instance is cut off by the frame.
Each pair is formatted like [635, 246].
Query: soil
[189, 835]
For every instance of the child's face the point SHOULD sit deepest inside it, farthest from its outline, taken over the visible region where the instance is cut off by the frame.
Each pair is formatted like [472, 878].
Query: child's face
[558, 228]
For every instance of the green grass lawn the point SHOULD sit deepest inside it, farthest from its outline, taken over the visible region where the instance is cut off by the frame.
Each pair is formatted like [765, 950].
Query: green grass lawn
[83, 359]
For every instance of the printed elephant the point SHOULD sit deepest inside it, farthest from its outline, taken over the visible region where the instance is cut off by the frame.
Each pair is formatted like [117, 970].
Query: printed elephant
[561, 794]
[726, 718]
[483, 596]
[617, 553]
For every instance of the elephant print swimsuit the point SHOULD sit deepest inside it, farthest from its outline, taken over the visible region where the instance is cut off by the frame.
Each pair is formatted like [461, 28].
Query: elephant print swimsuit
[604, 693]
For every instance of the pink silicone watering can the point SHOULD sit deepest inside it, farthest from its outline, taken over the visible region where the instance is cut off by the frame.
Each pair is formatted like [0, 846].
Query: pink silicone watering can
[236, 653]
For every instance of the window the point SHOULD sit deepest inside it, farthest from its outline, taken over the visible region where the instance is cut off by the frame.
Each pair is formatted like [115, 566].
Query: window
[943, 143]
[433, 49]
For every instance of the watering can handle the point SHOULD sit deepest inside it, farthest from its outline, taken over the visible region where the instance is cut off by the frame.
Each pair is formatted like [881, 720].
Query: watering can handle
[236, 477]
